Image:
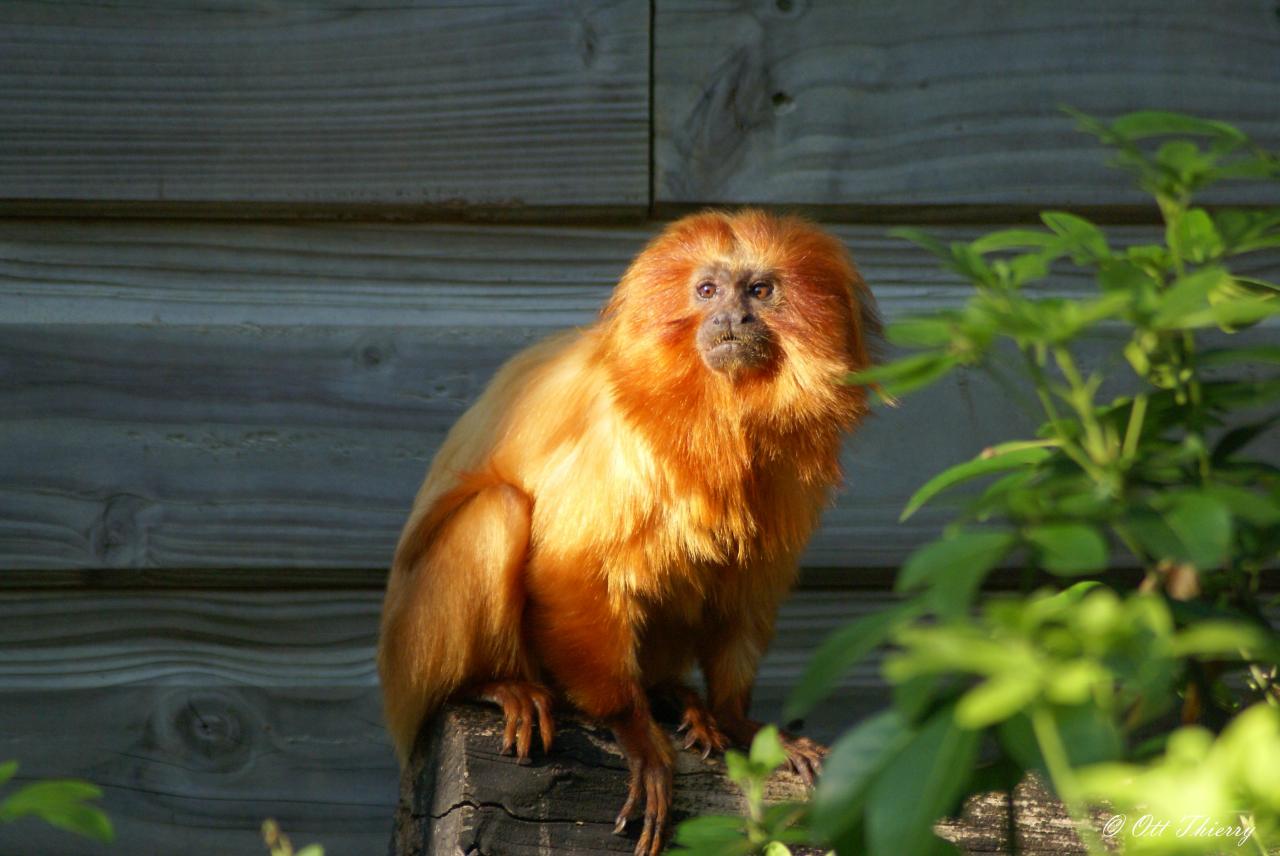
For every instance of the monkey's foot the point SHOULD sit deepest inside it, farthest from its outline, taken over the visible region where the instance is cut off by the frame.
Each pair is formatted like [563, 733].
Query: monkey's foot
[701, 733]
[520, 701]
[651, 783]
[804, 756]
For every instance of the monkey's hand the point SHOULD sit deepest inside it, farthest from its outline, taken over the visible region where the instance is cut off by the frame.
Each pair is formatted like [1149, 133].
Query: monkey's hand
[701, 733]
[804, 756]
[520, 701]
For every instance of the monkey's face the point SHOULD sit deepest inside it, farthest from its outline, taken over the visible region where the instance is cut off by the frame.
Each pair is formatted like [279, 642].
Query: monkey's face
[733, 307]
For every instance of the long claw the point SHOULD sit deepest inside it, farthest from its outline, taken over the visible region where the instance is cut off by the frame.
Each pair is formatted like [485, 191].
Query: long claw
[546, 724]
[509, 732]
[519, 701]
[525, 738]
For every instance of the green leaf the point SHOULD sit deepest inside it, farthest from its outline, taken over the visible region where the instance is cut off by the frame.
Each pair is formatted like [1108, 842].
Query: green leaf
[85, 820]
[1068, 548]
[1013, 239]
[997, 698]
[1195, 236]
[956, 565]
[910, 373]
[766, 749]
[990, 461]
[1202, 523]
[1188, 295]
[1155, 123]
[1247, 505]
[964, 549]
[1231, 315]
[923, 783]
[1185, 160]
[1219, 638]
[1088, 733]
[1073, 682]
[1246, 231]
[1234, 356]
[851, 768]
[776, 848]
[60, 802]
[923, 240]
[1154, 535]
[311, 850]
[7, 771]
[739, 767]
[710, 829]
[840, 652]
[923, 332]
[1081, 238]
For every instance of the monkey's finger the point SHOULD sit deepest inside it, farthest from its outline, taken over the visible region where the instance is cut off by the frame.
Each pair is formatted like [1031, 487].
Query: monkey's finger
[690, 739]
[628, 807]
[684, 725]
[509, 733]
[524, 734]
[546, 724]
[657, 801]
[806, 765]
[706, 750]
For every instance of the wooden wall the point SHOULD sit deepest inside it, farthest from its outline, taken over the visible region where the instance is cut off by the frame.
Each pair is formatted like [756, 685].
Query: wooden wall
[256, 257]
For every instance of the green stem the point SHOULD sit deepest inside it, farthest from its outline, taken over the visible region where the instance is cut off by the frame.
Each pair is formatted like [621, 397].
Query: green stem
[1069, 446]
[1063, 777]
[1137, 413]
[1082, 400]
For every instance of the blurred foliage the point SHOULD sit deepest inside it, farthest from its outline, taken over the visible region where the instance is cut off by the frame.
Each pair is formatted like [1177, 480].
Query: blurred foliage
[1160, 699]
[64, 803]
[765, 829]
[280, 845]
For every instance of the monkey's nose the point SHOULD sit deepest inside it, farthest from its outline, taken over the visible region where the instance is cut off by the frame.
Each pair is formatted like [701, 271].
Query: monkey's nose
[730, 320]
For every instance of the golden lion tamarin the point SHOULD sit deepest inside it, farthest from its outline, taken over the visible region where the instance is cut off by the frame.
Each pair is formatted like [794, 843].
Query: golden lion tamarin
[629, 499]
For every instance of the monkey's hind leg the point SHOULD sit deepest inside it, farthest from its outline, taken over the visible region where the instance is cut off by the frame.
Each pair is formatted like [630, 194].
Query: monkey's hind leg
[521, 702]
[452, 617]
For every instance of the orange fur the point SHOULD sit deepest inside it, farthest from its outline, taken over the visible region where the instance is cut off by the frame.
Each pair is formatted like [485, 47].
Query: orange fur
[611, 511]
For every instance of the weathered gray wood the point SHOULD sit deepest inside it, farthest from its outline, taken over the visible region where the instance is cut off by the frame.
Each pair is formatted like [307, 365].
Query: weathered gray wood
[459, 795]
[937, 103]
[500, 105]
[219, 396]
[200, 712]
[195, 766]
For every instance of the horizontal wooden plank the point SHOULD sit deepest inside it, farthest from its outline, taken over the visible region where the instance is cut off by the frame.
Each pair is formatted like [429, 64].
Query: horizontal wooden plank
[200, 713]
[220, 396]
[847, 105]
[503, 105]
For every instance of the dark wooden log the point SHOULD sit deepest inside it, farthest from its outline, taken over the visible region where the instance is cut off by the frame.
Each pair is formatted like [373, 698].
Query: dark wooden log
[459, 795]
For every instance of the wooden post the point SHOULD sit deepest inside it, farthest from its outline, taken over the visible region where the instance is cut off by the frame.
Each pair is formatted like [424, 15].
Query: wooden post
[458, 795]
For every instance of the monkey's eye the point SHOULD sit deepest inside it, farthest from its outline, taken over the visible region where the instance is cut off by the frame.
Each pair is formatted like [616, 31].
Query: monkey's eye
[761, 290]
[706, 290]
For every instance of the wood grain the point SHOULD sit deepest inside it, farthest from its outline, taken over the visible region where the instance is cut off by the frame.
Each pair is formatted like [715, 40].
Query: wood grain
[848, 105]
[504, 105]
[221, 396]
[460, 796]
[200, 713]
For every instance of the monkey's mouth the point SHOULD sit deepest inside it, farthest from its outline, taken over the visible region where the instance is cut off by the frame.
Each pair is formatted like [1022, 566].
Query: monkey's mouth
[730, 352]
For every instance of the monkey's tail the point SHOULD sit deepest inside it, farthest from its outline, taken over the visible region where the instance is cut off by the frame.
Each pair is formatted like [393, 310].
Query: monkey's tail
[454, 602]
